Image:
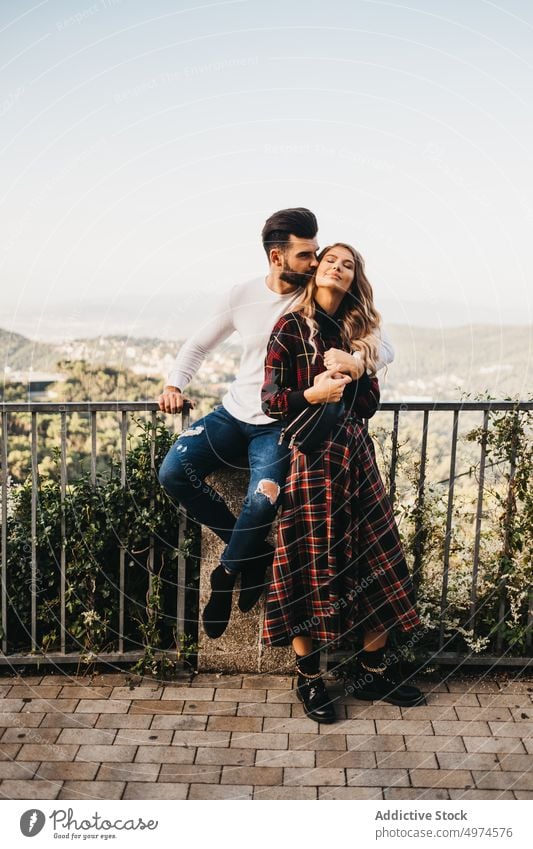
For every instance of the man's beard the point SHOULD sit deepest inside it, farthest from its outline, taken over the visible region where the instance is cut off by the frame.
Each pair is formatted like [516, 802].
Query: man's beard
[294, 278]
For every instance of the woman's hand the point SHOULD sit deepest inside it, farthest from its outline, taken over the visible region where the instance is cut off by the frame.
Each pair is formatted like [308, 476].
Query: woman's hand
[337, 360]
[327, 386]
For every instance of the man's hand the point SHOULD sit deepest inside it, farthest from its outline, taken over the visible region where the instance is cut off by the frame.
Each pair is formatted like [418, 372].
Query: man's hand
[172, 400]
[337, 360]
[327, 386]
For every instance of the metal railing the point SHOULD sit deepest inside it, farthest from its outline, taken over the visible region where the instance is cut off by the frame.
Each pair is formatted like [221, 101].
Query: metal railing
[122, 409]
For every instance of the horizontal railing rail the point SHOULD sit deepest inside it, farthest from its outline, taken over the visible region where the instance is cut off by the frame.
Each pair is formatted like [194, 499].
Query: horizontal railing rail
[125, 408]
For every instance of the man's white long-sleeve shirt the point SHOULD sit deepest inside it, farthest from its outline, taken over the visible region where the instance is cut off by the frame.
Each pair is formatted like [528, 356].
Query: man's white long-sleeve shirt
[251, 309]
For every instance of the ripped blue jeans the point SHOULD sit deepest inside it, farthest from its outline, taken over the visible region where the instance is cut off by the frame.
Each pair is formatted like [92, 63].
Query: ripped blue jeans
[219, 439]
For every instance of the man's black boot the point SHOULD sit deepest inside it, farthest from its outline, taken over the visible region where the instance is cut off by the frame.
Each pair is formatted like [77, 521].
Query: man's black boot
[376, 680]
[218, 609]
[253, 577]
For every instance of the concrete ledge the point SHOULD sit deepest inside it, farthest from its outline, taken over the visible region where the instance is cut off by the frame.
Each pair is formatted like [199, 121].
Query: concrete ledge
[239, 649]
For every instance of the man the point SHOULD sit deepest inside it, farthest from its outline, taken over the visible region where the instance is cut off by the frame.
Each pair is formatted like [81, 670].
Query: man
[239, 426]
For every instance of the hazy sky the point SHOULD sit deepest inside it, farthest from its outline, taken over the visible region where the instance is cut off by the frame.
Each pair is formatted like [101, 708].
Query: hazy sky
[144, 144]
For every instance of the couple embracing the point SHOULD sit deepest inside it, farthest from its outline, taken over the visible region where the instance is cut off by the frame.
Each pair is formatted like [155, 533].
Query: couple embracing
[312, 343]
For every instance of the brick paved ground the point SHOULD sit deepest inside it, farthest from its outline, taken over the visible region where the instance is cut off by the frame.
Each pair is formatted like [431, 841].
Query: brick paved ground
[246, 737]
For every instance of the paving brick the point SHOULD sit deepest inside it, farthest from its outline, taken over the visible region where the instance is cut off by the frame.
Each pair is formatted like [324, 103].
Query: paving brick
[235, 723]
[254, 775]
[180, 723]
[512, 729]
[266, 709]
[503, 780]
[398, 793]
[505, 700]
[20, 720]
[39, 691]
[282, 697]
[106, 753]
[374, 743]
[226, 682]
[152, 694]
[350, 726]
[226, 757]
[31, 735]
[155, 790]
[60, 706]
[455, 699]
[87, 692]
[87, 736]
[372, 710]
[343, 760]
[520, 794]
[26, 679]
[212, 708]
[521, 714]
[102, 706]
[143, 737]
[441, 778]
[67, 720]
[46, 752]
[435, 744]
[8, 751]
[202, 739]
[165, 755]
[191, 773]
[123, 720]
[494, 744]
[461, 729]
[220, 791]
[470, 760]
[480, 794]
[404, 726]
[528, 746]
[439, 712]
[258, 741]
[128, 772]
[350, 793]
[472, 685]
[197, 694]
[18, 770]
[4, 690]
[324, 776]
[483, 713]
[163, 706]
[270, 682]
[92, 790]
[251, 695]
[13, 789]
[517, 687]
[518, 763]
[67, 771]
[378, 777]
[275, 758]
[291, 725]
[407, 760]
[317, 742]
[290, 793]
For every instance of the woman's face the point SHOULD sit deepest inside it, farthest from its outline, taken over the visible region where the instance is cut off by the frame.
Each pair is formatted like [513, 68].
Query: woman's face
[336, 270]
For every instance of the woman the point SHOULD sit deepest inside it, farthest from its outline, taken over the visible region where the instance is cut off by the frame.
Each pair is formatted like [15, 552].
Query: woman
[339, 567]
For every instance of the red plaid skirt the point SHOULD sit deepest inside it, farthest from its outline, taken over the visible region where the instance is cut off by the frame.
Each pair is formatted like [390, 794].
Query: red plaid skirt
[339, 564]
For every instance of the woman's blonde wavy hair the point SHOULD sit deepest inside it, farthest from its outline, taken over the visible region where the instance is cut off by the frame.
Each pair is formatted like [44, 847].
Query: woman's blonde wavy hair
[360, 320]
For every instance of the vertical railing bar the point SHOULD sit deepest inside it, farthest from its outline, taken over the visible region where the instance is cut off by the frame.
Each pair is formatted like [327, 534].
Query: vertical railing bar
[5, 478]
[63, 491]
[394, 457]
[151, 550]
[122, 553]
[419, 547]
[449, 514]
[529, 632]
[34, 488]
[501, 606]
[93, 447]
[479, 515]
[181, 581]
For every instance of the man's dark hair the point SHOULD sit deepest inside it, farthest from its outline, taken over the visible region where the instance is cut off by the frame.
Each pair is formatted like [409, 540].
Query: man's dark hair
[278, 228]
